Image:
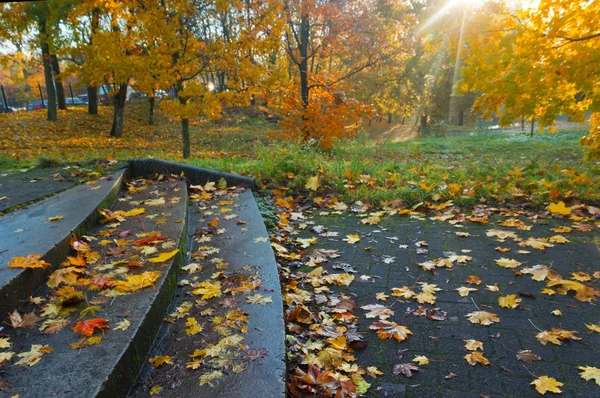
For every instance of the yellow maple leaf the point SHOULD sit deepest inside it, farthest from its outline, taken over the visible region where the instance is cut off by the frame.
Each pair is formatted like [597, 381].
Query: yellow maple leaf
[34, 356]
[160, 360]
[390, 330]
[475, 357]
[351, 239]
[134, 283]
[162, 257]
[155, 390]
[421, 360]
[509, 301]
[549, 292]
[508, 263]
[589, 373]
[544, 384]
[373, 371]
[559, 208]
[31, 261]
[207, 290]
[312, 183]
[482, 317]
[192, 326]
[208, 378]
[473, 345]
[556, 335]
[595, 327]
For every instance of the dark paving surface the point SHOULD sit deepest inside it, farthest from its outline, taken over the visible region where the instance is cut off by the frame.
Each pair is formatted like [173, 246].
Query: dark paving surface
[34, 184]
[240, 241]
[106, 369]
[442, 342]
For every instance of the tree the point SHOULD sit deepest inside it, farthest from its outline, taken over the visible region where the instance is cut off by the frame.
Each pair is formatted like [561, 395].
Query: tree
[537, 62]
[332, 45]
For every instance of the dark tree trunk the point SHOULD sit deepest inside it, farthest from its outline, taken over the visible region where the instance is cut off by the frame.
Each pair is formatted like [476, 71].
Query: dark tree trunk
[461, 117]
[303, 67]
[522, 122]
[48, 72]
[92, 92]
[119, 112]
[370, 121]
[390, 118]
[423, 124]
[532, 125]
[151, 102]
[60, 90]
[185, 137]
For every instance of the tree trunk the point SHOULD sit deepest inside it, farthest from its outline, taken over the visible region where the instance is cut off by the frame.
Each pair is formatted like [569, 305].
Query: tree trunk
[423, 126]
[119, 112]
[303, 67]
[48, 72]
[532, 125]
[60, 90]
[185, 137]
[522, 122]
[92, 92]
[461, 117]
[390, 118]
[151, 109]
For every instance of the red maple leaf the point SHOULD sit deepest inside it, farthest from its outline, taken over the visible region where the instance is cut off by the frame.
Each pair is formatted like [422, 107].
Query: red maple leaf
[87, 327]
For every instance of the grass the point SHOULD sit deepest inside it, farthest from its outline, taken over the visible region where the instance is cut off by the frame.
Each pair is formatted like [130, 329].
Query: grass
[470, 168]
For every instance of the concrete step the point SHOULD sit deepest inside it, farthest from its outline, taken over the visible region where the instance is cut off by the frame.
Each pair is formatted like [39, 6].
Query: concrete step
[233, 251]
[27, 231]
[106, 361]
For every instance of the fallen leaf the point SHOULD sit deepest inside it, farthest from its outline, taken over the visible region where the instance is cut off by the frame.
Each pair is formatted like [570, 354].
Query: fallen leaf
[123, 325]
[162, 257]
[352, 239]
[390, 330]
[192, 327]
[559, 208]
[510, 301]
[589, 373]
[527, 356]
[476, 357]
[88, 326]
[312, 183]
[31, 261]
[421, 360]
[473, 345]
[544, 384]
[482, 317]
[405, 369]
[160, 360]
[507, 263]
[55, 218]
[34, 356]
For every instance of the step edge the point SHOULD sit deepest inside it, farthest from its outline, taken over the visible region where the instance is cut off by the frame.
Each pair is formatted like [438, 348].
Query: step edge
[197, 175]
[26, 282]
[133, 356]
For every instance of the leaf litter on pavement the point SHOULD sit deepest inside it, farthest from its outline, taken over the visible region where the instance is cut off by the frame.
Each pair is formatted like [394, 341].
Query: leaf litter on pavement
[327, 320]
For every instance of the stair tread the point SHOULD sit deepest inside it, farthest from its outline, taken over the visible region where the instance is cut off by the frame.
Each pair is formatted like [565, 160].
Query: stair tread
[107, 368]
[28, 231]
[243, 244]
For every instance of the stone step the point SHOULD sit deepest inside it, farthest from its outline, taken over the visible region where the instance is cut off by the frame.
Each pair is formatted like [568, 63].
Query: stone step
[27, 231]
[120, 287]
[236, 246]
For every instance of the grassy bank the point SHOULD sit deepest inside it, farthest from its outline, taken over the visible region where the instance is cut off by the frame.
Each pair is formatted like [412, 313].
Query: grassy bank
[469, 169]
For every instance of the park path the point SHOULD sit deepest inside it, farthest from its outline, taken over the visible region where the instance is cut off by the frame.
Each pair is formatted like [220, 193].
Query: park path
[384, 263]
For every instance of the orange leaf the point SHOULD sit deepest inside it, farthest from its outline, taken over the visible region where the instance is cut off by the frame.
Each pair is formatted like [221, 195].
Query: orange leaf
[88, 326]
[31, 261]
